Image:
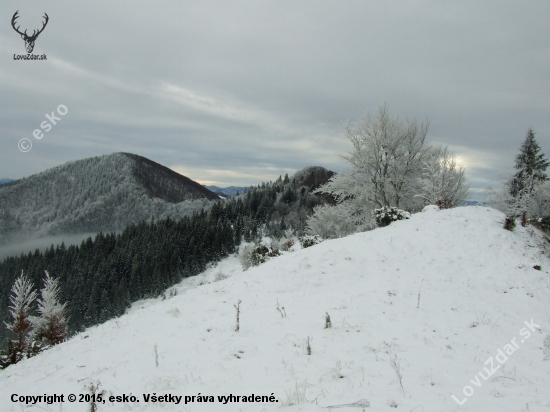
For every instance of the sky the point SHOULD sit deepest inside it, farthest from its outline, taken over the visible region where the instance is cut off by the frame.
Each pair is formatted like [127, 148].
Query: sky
[236, 93]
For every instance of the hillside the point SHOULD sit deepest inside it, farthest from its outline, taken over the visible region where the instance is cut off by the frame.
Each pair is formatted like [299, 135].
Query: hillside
[417, 310]
[104, 193]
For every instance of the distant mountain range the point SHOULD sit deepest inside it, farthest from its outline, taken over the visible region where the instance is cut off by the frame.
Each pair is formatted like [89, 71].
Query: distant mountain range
[228, 191]
[2, 181]
[475, 203]
[311, 176]
[104, 193]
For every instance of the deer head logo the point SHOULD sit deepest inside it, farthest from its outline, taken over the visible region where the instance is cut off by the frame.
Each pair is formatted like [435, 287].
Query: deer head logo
[29, 40]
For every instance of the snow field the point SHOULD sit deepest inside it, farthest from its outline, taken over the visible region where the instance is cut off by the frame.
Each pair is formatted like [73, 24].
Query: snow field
[476, 283]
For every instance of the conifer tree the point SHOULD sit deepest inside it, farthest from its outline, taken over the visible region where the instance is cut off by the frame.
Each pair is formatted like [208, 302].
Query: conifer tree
[50, 327]
[530, 165]
[21, 300]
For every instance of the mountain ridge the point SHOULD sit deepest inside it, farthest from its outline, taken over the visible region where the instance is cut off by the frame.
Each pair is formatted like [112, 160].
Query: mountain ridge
[102, 193]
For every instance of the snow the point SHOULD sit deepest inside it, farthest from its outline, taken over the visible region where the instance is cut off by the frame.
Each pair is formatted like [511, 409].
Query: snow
[425, 301]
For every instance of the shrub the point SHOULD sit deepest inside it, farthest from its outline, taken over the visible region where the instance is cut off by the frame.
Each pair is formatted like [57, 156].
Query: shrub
[385, 215]
[310, 240]
[542, 223]
[254, 255]
[510, 223]
[286, 244]
[444, 203]
[331, 222]
[4, 360]
[524, 218]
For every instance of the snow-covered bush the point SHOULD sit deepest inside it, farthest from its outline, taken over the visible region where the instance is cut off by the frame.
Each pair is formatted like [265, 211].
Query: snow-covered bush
[510, 223]
[245, 249]
[4, 359]
[288, 240]
[385, 215]
[444, 203]
[310, 240]
[254, 255]
[261, 254]
[543, 223]
[330, 222]
[430, 209]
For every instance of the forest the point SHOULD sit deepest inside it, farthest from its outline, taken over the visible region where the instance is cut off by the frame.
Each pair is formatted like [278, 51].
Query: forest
[101, 277]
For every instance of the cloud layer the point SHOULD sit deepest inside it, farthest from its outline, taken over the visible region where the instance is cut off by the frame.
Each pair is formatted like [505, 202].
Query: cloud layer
[240, 92]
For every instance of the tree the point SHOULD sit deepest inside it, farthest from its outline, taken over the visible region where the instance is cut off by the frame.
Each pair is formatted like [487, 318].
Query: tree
[442, 182]
[50, 327]
[21, 300]
[329, 222]
[530, 165]
[386, 161]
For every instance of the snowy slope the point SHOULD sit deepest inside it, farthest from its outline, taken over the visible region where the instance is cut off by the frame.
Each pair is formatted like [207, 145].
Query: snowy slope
[477, 288]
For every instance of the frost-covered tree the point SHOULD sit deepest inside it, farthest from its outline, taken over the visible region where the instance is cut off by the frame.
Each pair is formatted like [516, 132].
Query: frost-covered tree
[21, 299]
[50, 327]
[533, 199]
[331, 222]
[527, 193]
[539, 206]
[442, 182]
[530, 165]
[386, 162]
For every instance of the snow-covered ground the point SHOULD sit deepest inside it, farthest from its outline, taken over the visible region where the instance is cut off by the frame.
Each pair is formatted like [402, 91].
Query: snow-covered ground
[418, 310]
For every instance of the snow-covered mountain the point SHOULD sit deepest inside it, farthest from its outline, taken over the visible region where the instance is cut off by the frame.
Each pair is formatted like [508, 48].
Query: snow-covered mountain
[311, 176]
[104, 193]
[446, 308]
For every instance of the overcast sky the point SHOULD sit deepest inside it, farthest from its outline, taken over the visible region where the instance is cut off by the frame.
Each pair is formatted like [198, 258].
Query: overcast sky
[233, 93]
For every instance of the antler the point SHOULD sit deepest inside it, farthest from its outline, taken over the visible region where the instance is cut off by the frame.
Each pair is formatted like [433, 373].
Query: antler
[15, 16]
[34, 33]
[43, 27]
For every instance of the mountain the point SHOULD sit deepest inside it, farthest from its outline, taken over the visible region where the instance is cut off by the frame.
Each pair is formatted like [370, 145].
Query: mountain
[2, 181]
[227, 191]
[311, 176]
[104, 193]
[475, 203]
[446, 307]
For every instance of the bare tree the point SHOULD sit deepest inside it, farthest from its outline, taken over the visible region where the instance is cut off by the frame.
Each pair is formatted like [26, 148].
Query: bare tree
[442, 181]
[386, 161]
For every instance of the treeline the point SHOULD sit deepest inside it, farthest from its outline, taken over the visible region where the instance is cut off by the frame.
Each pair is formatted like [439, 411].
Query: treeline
[101, 277]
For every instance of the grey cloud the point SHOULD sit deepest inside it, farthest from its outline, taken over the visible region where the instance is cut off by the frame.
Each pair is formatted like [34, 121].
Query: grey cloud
[265, 86]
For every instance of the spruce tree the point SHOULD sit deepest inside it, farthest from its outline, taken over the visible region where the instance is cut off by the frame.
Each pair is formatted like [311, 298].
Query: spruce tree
[50, 327]
[530, 165]
[21, 300]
